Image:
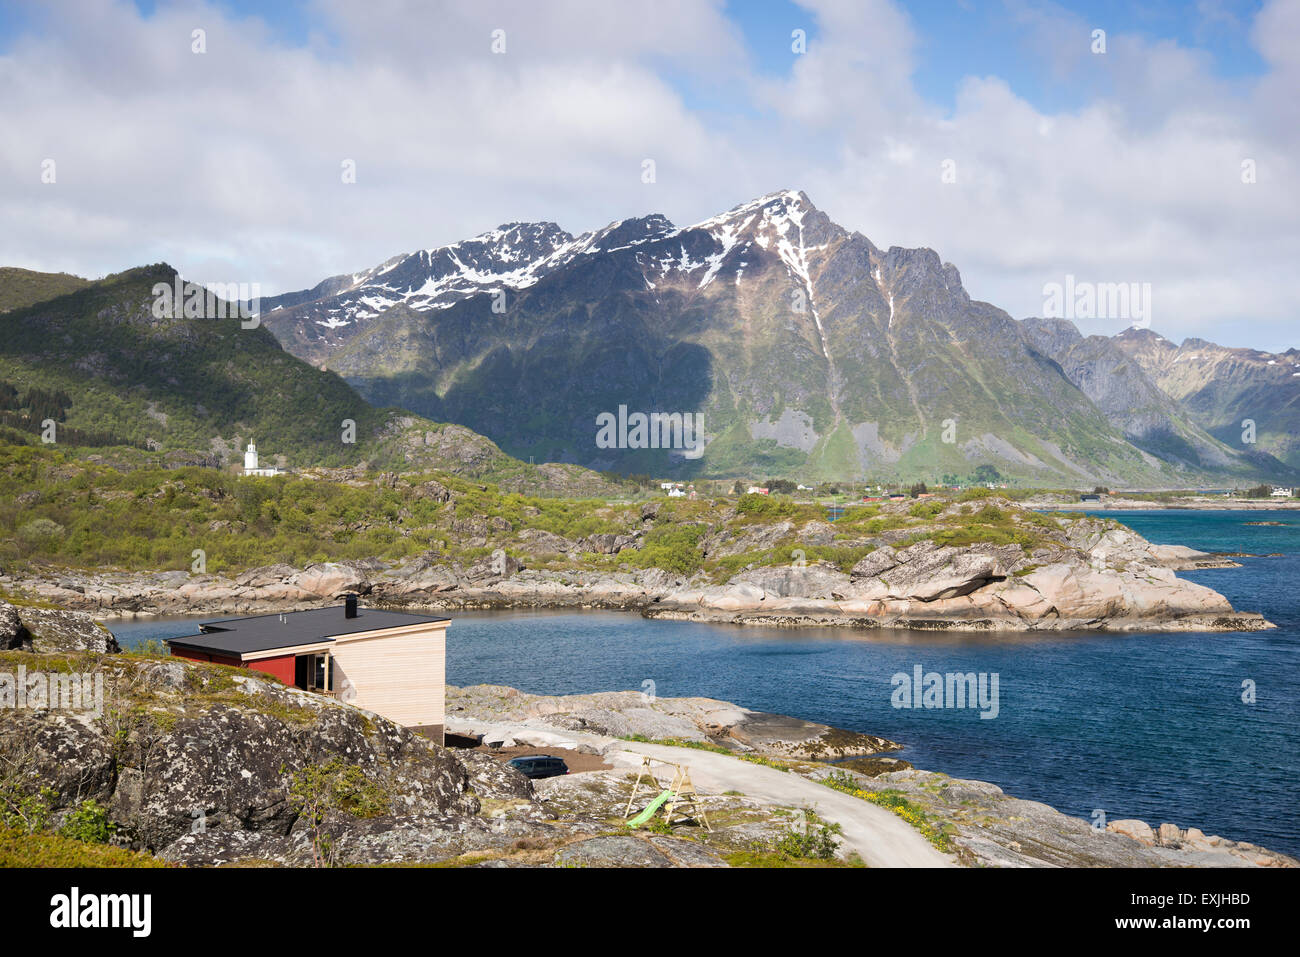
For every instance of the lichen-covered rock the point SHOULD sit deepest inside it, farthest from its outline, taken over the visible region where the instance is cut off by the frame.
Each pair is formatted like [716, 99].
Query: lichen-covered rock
[494, 780]
[50, 630]
[614, 851]
[181, 748]
[990, 828]
[634, 714]
[12, 632]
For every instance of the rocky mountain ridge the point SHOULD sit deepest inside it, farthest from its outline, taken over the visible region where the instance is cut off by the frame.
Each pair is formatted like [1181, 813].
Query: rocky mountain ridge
[807, 350]
[1246, 398]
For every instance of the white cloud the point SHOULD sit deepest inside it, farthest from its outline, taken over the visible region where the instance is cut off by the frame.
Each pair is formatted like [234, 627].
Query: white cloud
[227, 164]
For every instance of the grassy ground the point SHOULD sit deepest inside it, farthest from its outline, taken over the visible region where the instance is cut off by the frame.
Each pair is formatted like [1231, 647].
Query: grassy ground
[62, 511]
[20, 849]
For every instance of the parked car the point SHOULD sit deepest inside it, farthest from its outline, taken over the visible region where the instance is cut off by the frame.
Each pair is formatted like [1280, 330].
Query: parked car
[539, 766]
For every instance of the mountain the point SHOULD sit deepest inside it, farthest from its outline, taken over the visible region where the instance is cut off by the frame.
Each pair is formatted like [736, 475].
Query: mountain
[199, 384]
[1220, 387]
[101, 363]
[809, 351]
[1119, 386]
[23, 287]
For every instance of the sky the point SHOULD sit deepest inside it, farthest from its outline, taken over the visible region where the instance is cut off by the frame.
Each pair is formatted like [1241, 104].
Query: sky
[996, 132]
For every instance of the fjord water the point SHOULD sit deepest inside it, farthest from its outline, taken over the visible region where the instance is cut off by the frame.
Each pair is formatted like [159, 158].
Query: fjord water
[1145, 725]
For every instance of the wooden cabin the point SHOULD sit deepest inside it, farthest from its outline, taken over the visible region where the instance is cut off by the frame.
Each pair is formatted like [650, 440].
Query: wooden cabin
[389, 662]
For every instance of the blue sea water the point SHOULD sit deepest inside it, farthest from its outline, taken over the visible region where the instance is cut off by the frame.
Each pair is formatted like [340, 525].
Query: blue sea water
[1151, 726]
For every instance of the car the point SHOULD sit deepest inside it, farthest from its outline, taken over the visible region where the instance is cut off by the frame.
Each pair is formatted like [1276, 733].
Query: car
[539, 766]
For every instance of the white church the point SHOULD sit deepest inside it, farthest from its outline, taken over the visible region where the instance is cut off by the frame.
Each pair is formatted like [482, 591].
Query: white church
[251, 467]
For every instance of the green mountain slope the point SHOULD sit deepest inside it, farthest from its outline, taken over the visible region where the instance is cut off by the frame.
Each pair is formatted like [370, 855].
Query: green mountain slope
[110, 372]
[23, 287]
[200, 384]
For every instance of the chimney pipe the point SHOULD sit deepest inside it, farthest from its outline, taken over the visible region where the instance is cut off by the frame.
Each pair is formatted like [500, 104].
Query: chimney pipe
[349, 606]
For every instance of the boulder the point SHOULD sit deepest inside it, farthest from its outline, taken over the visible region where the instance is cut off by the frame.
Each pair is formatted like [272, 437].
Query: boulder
[53, 630]
[607, 544]
[190, 747]
[331, 580]
[925, 572]
[1140, 831]
[1170, 835]
[816, 580]
[538, 541]
[12, 632]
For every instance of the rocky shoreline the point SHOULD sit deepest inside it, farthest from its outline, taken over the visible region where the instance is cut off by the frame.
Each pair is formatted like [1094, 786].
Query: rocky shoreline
[986, 826]
[186, 741]
[1083, 574]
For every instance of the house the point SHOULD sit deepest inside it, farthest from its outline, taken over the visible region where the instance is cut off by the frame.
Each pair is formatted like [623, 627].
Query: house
[1282, 493]
[1090, 497]
[389, 662]
[676, 492]
[251, 467]
[756, 490]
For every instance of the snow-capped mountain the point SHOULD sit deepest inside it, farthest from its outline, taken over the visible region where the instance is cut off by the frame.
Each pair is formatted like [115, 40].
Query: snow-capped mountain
[809, 351]
[515, 256]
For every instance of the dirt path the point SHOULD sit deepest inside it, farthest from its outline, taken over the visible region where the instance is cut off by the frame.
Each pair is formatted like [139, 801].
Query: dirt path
[881, 837]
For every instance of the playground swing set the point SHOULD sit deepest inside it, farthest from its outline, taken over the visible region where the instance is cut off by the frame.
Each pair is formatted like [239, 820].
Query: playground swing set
[678, 799]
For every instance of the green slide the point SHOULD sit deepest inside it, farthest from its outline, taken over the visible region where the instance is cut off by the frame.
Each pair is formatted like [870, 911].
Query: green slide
[649, 812]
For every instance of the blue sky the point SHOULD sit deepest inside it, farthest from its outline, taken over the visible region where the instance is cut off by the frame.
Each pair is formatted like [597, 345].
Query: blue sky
[957, 38]
[1125, 167]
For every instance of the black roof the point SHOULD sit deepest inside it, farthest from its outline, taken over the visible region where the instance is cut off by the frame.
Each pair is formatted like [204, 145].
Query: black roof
[242, 636]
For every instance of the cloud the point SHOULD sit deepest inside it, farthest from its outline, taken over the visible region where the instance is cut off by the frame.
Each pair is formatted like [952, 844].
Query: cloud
[228, 163]
[1140, 185]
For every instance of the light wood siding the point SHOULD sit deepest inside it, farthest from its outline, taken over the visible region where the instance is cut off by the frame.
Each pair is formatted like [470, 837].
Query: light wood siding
[399, 674]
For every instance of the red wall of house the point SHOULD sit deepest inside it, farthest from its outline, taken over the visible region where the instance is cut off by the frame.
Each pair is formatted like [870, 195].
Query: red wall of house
[281, 667]
[205, 656]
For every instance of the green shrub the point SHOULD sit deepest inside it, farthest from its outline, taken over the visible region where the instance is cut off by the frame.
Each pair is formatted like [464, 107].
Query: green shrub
[765, 506]
[809, 839]
[926, 509]
[87, 822]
